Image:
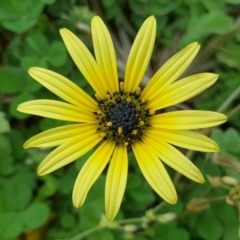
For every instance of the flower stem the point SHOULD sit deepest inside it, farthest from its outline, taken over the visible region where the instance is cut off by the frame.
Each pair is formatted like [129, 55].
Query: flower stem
[217, 199]
[158, 207]
[233, 111]
[86, 233]
[229, 100]
[130, 220]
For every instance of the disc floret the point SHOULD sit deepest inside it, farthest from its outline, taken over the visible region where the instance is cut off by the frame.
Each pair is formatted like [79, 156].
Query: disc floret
[122, 116]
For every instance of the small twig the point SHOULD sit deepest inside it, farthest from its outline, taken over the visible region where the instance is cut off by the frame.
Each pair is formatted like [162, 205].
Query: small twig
[159, 206]
[130, 220]
[86, 233]
[229, 100]
[233, 111]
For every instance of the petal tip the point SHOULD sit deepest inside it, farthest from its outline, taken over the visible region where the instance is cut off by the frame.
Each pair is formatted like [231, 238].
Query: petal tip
[20, 107]
[194, 44]
[151, 20]
[152, 17]
[26, 145]
[31, 70]
[76, 203]
[202, 181]
[35, 70]
[216, 147]
[200, 178]
[40, 172]
[96, 17]
[224, 118]
[63, 32]
[174, 201]
[62, 29]
[194, 47]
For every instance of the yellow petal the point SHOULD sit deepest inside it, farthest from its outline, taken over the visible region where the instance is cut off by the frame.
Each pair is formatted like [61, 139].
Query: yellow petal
[170, 71]
[56, 110]
[116, 181]
[105, 53]
[59, 135]
[140, 54]
[84, 61]
[187, 119]
[68, 152]
[175, 159]
[182, 90]
[90, 172]
[63, 88]
[183, 138]
[154, 172]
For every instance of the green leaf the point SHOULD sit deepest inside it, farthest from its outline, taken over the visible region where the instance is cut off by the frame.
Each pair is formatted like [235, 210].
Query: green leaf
[5, 145]
[229, 56]
[4, 189]
[163, 229]
[228, 141]
[48, 123]
[32, 85]
[232, 1]
[232, 140]
[66, 182]
[102, 235]
[201, 25]
[28, 62]
[215, 22]
[39, 43]
[15, 193]
[134, 181]
[82, 160]
[17, 100]
[108, 3]
[78, 78]
[11, 80]
[11, 225]
[25, 176]
[93, 207]
[209, 228]
[19, 16]
[177, 233]
[231, 231]
[57, 54]
[49, 187]
[6, 164]
[19, 27]
[68, 220]
[212, 6]
[36, 215]
[4, 124]
[16, 139]
[225, 213]
[143, 195]
[48, 1]
[19, 196]
[176, 208]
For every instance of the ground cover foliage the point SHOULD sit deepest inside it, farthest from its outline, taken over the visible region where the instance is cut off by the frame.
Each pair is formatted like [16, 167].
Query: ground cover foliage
[34, 208]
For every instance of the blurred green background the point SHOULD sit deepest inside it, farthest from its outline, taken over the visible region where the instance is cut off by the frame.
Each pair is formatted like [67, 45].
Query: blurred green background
[34, 208]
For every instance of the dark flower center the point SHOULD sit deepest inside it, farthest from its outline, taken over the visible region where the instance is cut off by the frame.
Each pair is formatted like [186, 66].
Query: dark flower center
[123, 117]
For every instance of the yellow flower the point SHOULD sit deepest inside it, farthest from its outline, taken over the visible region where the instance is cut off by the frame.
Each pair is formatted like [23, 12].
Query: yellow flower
[121, 117]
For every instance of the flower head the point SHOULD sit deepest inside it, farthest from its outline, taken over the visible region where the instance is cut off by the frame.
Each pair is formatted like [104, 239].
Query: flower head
[122, 117]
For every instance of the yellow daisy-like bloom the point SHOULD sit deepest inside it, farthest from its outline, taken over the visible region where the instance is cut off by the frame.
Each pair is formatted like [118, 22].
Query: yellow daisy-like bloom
[121, 117]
